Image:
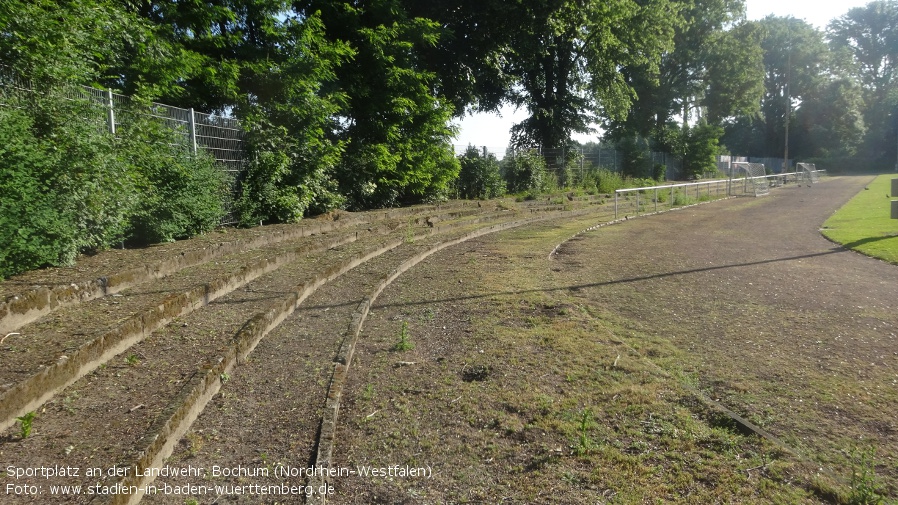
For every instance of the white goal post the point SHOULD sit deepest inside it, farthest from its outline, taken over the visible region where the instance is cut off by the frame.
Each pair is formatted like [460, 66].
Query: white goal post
[754, 178]
[809, 174]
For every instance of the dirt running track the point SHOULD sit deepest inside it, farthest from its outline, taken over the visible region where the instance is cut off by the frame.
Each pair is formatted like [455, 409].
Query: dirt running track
[785, 327]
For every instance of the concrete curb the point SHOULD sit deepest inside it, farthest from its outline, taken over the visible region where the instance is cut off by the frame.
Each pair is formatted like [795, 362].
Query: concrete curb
[174, 422]
[24, 308]
[627, 218]
[34, 391]
[18, 310]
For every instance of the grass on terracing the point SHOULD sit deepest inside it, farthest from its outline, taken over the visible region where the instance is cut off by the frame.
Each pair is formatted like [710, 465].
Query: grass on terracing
[864, 223]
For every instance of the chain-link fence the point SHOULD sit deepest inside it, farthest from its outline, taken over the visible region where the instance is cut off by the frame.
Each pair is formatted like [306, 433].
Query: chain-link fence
[221, 137]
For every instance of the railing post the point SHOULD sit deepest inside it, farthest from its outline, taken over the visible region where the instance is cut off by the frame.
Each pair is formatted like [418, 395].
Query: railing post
[615, 205]
[110, 115]
[656, 199]
[192, 125]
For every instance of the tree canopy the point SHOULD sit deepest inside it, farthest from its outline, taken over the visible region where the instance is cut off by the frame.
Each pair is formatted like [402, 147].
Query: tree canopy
[350, 103]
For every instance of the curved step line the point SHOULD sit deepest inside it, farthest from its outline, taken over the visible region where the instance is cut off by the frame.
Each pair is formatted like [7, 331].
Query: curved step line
[32, 392]
[627, 218]
[160, 440]
[327, 433]
[18, 310]
[23, 308]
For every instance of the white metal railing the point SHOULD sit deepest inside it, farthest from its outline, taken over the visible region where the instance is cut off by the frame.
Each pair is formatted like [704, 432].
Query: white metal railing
[703, 190]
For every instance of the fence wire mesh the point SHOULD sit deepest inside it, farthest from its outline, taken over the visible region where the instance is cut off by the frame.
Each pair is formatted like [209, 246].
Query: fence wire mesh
[219, 136]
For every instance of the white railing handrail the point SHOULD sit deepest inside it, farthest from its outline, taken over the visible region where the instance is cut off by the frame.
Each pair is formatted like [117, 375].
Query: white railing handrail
[699, 183]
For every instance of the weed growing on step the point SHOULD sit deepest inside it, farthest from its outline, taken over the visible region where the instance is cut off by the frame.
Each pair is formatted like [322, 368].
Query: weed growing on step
[132, 360]
[25, 423]
[865, 487]
[368, 393]
[404, 343]
[584, 443]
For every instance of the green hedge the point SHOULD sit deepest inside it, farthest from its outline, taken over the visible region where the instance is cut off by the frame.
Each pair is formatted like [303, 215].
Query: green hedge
[68, 187]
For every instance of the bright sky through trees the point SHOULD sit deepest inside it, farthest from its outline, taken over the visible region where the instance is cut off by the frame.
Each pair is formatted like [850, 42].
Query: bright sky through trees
[493, 131]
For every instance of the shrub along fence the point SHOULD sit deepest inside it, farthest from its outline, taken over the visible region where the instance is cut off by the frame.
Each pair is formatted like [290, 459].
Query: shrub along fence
[220, 137]
[86, 169]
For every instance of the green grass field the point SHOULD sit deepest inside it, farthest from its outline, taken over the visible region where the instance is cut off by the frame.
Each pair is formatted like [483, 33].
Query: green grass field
[864, 224]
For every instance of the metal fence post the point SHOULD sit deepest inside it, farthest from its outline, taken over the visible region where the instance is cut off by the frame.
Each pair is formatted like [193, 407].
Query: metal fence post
[110, 115]
[192, 125]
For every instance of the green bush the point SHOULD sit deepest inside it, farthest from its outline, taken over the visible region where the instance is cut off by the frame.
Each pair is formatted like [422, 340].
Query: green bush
[180, 194]
[636, 157]
[700, 149]
[67, 186]
[479, 176]
[607, 181]
[524, 171]
[284, 180]
[62, 190]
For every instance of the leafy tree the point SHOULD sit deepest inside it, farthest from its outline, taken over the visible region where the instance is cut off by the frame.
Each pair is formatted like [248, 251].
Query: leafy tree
[714, 68]
[869, 35]
[795, 63]
[470, 53]
[394, 125]
[100, 42]
[293, 157]
[830, 122]
[700, 149]
[566, 58]
[67, 40]
[479, 176]
[206, 54]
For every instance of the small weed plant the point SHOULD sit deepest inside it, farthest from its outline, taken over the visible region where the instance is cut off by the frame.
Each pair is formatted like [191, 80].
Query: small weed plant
[25, 424]
[865, 487]
[368, 393]
[404, 343]
[584, 444]
[132, 360]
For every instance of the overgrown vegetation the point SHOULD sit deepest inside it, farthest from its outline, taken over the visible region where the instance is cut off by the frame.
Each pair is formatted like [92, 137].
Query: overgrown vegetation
[479, 176]
[404, 342]
[524, 171]
[69, 187]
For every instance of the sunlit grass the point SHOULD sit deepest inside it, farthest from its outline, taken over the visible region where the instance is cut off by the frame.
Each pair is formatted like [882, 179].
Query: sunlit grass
[864, 223]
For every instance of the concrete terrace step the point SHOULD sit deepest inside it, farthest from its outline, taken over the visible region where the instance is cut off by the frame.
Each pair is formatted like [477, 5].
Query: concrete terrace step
[133, 409]
[31, 295]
